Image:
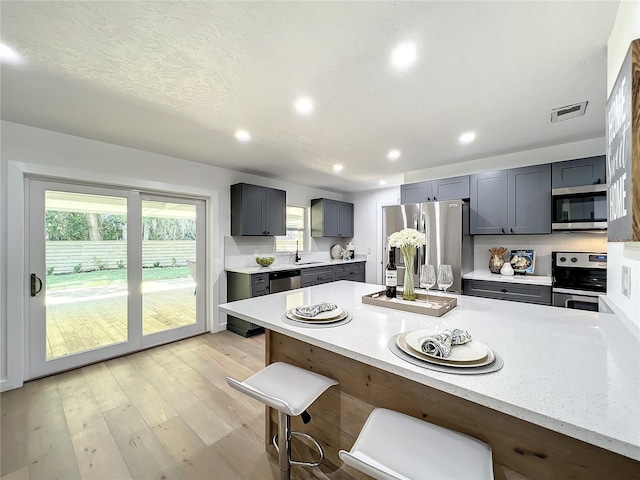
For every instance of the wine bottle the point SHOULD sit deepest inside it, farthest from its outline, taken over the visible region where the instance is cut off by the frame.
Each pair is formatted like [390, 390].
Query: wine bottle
[391, 276]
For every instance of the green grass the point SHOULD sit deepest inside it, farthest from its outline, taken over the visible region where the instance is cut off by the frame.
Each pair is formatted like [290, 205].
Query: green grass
[107, 277]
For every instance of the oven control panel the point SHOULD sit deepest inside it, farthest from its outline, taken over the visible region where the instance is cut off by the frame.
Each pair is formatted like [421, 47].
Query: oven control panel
[580, 260]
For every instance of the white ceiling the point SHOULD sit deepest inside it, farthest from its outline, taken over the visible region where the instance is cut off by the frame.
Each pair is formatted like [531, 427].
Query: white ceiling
[179, 78]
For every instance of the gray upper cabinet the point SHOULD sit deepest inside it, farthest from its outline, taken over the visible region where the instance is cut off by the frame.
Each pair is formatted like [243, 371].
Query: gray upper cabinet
[434, 190]
[257, 210]
[529, 200]
[331, 218]
[514, 201]
[488, 202]
[450, 188]
[416, 192]
[580, 172]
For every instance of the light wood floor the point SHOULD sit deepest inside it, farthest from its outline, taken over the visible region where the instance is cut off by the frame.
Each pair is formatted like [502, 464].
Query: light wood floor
[163, 413]
[80, 326]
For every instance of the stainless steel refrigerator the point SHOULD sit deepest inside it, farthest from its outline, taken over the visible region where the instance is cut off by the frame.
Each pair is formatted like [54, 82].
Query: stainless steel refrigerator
[446, 226]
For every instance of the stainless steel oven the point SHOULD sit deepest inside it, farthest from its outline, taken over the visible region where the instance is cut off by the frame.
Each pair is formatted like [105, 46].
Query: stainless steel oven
[580, 208]
[579, 278]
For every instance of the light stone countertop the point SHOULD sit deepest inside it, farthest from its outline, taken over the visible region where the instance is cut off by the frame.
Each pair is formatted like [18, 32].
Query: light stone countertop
[571, 371]
[494, 277]
[291, 266]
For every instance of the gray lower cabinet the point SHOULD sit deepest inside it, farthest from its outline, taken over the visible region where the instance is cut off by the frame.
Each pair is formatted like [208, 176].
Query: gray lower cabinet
[434, 190]
[331, 218]
[317, 276]
[239, 287]
[579, 172]
[257, 210]
[519, 292]
[514, 201]
[243, 285]
[350, 271]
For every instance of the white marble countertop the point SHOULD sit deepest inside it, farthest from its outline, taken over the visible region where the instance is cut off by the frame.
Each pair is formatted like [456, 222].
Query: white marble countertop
[291, 266]
[571, 371]
[494, 277]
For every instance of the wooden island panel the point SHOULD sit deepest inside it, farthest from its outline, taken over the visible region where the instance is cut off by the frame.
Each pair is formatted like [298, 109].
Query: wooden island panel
[518, 446]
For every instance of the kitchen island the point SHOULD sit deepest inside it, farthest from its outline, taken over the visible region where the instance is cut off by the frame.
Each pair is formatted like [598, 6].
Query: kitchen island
[565, 404]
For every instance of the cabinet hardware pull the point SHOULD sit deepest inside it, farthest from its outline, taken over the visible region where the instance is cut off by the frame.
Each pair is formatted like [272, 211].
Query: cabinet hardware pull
[504, 290]
[512, 230]
[502, 230]
[435, 199]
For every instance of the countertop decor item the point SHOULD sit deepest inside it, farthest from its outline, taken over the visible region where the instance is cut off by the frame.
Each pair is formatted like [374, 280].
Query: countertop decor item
[408, 240]
[351, 250]
[523, 261]
[436, 306]
[264, 261]
[506, 269]
[335, 251]
[496, 261]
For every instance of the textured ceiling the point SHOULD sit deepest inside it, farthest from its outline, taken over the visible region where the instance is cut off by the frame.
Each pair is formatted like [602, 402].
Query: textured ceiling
[179, 78]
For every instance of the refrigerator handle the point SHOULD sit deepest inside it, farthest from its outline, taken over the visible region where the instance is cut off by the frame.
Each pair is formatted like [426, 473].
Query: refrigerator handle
[422, 251]
[415, 222]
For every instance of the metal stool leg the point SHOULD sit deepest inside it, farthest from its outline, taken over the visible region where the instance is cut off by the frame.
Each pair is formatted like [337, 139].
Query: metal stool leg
[284, 445]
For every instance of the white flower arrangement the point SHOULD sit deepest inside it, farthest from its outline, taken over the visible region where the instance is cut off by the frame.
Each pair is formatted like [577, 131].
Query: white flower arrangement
[407, 240]
[409, 237]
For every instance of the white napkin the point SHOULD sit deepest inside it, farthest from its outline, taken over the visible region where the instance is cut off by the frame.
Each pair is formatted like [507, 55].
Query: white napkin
[312, 310]
[439, 344]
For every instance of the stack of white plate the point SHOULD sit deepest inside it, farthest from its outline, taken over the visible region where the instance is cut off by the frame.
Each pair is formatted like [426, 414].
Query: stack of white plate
[330, 316]
[471, 354]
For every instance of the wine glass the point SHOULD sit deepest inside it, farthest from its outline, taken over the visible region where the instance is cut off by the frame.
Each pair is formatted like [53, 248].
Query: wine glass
[427, 278]
[445, 277]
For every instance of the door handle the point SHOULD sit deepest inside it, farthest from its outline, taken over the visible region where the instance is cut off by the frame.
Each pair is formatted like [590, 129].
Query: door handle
[34, 280]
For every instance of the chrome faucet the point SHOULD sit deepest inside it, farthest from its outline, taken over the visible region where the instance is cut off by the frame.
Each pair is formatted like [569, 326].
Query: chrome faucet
[298, 257]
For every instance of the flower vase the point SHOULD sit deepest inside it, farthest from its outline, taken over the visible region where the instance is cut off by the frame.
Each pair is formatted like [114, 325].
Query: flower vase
[408, 291]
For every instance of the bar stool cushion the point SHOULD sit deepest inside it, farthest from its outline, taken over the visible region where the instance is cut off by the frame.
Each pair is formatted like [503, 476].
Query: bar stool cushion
[394, 446]
[284, 387]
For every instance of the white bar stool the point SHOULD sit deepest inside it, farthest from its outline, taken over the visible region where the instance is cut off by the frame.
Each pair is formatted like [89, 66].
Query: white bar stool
[290, 390]
[394, 446]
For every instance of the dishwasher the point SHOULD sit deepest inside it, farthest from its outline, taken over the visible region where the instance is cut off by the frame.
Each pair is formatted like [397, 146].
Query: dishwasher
[284, 281]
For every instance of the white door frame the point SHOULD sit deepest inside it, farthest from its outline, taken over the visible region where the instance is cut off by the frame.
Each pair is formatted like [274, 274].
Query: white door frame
[17, 276]
[36, 364]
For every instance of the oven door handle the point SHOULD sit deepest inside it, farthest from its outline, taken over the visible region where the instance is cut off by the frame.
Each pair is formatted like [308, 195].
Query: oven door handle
[579, 299]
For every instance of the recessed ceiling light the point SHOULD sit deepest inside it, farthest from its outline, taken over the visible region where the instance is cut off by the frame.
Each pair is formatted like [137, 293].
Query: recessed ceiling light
[383, 182]
[243, 135]
[337, 167]
[9, 54]
[304, 105]
[404, 56]
[393, 154]
[467, 137]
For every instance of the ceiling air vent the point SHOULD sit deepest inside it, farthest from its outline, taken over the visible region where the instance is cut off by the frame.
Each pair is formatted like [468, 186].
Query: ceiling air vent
[569, 111]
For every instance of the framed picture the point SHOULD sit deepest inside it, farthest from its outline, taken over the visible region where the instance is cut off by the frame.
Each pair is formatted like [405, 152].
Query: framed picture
[523, 261]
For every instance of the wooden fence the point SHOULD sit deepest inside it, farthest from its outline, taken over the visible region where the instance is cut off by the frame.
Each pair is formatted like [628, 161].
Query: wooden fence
[84, 256]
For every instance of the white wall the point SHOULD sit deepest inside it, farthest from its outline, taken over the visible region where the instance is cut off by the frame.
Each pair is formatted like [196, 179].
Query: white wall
[556, 153]
[367, 237]
[33, 150]
[625, 29]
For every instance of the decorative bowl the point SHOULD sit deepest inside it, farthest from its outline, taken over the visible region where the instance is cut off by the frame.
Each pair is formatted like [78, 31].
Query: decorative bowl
[264, 261]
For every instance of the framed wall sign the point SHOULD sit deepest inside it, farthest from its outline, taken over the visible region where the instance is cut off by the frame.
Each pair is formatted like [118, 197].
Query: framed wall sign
[623, 151]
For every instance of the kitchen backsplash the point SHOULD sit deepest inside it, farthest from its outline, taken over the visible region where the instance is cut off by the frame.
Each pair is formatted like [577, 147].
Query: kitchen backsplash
[542, 244]
[240, 252]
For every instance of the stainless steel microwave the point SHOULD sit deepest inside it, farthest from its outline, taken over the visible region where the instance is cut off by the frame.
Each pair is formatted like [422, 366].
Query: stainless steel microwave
[579, 208]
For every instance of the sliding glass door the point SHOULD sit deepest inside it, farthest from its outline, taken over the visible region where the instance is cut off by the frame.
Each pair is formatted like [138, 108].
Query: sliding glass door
[110, 271]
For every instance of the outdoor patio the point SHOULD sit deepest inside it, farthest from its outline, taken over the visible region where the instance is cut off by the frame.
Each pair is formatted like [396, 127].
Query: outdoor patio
[86, 318]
